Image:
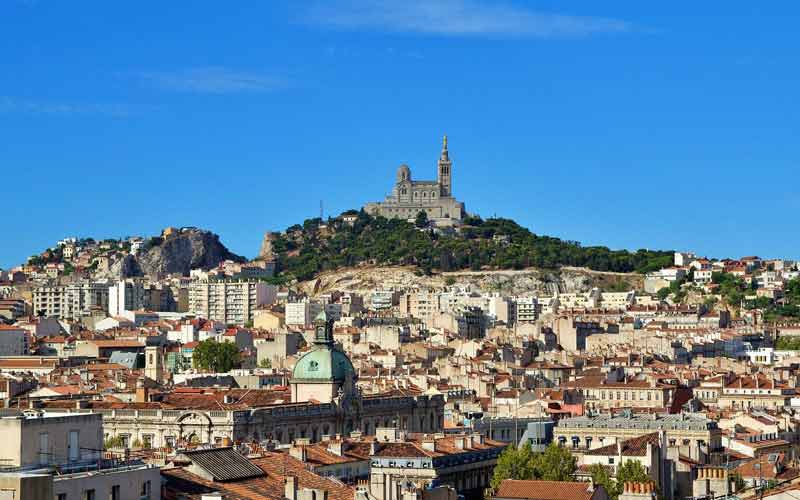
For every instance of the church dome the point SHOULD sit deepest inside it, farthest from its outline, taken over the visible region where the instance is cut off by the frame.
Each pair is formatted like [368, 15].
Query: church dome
[403, 173]
[324, 363]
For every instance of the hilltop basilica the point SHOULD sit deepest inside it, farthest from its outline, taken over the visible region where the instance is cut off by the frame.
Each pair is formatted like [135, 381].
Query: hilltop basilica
[409, 197]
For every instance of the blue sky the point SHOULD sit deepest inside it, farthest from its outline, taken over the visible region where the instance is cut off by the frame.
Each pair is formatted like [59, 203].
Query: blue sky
[628, 124]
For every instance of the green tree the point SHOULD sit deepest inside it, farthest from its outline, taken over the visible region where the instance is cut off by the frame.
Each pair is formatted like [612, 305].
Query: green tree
[265, 363]
[555, 464]
[216, 357]
[788, 343]
[422, 219]
[113, 442]
[513, 463]
[600, 476]
[663, 293]
[633, 471]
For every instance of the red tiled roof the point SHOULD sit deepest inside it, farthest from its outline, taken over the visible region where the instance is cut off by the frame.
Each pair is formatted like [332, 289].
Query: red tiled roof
[545, 490]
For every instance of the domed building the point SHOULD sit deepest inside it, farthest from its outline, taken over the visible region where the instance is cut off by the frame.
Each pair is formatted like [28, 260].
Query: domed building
[325, 372]
[434, 197]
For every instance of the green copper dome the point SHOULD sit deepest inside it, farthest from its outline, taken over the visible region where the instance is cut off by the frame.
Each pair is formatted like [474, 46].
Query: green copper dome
[323, 364]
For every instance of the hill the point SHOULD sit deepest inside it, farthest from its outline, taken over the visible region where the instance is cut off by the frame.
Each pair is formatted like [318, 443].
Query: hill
[177, 251]
[303, 251]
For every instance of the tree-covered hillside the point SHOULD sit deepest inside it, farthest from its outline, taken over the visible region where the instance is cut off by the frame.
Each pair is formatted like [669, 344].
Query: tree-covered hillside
[303, 251]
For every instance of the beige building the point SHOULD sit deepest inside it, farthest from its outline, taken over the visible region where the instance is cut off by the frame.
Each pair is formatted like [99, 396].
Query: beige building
[59, 456]
[601, 394]
[269, 320]
[695, 435]
[464, 462]
[410, 197]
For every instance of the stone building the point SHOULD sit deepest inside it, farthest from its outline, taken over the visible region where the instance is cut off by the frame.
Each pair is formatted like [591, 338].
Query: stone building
[434, 197]
[695, 435]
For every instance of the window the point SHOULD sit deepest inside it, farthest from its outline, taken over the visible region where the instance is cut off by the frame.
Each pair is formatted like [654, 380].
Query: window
[73, 448]
[44, 448]
[61, 496]
[145, 493]
[115, 494]
[88, 495]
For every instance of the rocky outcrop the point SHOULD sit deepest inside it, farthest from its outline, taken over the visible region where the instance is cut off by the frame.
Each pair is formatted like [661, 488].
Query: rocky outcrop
[178, 253]
[508, 282]
[267, 252]
[183, 251]
[126, 267]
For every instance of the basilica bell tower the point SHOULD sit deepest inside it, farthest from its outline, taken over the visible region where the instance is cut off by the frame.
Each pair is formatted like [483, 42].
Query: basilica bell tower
[445, 171]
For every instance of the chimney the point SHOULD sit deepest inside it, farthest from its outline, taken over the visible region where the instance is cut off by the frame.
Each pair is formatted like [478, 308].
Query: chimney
[298, 452]
[227, 399]
[290, 488]
[459, 442]
[429, 444]
[142, 392]
[336, 447]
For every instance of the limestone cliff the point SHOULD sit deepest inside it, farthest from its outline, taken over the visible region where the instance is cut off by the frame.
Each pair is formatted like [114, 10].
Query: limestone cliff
[181, 252]
[176, 253]
[364, 279]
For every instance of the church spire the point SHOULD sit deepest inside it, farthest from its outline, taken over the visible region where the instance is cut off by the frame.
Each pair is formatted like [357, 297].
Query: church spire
[445, 173]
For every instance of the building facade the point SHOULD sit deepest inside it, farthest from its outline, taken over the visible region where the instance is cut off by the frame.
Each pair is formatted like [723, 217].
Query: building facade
[410, 197]
[233, 302]
[72, 301]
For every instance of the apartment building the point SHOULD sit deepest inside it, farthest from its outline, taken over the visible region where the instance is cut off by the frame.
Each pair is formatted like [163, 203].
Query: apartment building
[59, 456]
[126, 295]
[420, 305]
[526, 309]
[72, 301]
[233, 302]
[301, 313]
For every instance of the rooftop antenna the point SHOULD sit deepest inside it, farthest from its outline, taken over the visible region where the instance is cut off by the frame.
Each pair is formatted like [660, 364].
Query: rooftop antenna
[320, 210]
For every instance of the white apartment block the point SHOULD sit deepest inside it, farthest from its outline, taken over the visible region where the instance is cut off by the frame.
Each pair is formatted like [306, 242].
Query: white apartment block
[232, 302]
[126, 295]
[71, 301]
[526, 309]
[302, 313]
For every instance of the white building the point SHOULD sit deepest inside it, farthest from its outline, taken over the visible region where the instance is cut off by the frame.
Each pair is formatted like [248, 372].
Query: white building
[71, 301]
[617, 300]
[125, 295]
[526, 309]
[683, 258]
[302, 313]
[233, 302]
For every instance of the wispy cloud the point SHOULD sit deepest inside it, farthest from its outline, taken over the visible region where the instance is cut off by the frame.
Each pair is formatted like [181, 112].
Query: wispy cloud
[10, 104]
[457, 18]
[211, 80]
